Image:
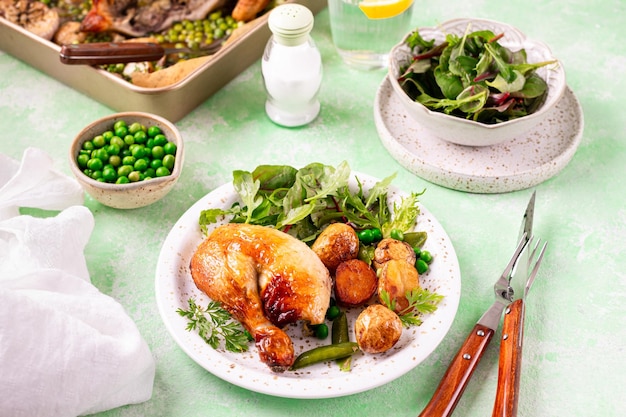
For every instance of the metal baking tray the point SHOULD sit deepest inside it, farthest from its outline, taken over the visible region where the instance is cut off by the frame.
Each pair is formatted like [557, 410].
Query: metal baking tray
[172, 102]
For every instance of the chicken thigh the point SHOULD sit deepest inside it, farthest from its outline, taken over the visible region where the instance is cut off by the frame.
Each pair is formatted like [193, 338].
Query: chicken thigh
[266, 279]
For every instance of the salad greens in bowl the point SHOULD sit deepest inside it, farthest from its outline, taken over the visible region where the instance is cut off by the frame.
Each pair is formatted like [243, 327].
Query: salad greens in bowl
[475, 82]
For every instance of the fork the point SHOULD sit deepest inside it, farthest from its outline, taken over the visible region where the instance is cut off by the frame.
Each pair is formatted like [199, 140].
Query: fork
[509, 368]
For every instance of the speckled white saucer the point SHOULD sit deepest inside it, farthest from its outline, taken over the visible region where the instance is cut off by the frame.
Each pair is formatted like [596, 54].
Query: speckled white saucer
[521, 163]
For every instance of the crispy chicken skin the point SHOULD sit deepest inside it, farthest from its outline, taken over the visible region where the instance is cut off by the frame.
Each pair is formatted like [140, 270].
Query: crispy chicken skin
[266, 279]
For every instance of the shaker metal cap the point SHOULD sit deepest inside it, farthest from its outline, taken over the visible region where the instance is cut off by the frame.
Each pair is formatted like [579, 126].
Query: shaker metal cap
[290, 23]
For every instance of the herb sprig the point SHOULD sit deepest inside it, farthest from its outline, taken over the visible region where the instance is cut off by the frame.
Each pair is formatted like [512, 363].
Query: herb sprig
[214, 325]
[421, 301]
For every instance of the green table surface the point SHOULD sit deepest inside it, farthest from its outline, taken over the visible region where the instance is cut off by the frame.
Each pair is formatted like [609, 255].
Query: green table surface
[574, 358]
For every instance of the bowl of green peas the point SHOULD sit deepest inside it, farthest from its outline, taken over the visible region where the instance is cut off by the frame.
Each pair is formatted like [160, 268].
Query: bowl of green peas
[127, 160]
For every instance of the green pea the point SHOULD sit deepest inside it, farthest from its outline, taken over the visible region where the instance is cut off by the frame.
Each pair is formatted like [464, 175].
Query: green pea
[162, 172]
[153, 131]
[135, 127]
[333, 312]
[421, 266]
[121, 131]
[321, 331]
[82, 160]
[119, 124]
[158, 152]
[169, 161]
[396, 234]
[117, 141]
[109, 174]
[377, 234]
[160, 140]
[134, 176]
[99, 141]
[108, 135]
[156, 163]
[140, 137]
[141, 165]
[124, 170]
[113, 149]
[138, 152]
[130, 153]
[365, 236]
[426, 256]
[115, 160]
[95, 164]
[102, 154]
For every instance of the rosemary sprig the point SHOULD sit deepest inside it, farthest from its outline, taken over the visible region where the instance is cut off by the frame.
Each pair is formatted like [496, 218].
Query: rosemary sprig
[421, 301]
[214, 324]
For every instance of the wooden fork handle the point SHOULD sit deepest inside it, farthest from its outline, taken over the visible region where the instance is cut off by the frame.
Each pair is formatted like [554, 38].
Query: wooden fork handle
[459, 372]
[510, 363]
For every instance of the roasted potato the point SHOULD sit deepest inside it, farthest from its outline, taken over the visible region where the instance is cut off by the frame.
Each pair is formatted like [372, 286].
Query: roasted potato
[397, 277]
[337, 243]
[377, 329]
[388, 249]
[355, 282]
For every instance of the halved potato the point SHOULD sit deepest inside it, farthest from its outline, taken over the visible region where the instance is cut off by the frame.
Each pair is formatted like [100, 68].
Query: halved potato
[355, 282]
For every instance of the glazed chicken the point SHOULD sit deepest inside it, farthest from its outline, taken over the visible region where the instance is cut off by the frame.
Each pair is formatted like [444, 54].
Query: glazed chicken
[266, 279]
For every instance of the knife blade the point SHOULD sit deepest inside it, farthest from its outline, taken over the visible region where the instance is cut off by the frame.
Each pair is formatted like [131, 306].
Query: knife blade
[99, 53]
[510, 359]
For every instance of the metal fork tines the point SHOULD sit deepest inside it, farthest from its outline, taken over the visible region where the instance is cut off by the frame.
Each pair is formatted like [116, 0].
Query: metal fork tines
[502, 288]
[538, 260]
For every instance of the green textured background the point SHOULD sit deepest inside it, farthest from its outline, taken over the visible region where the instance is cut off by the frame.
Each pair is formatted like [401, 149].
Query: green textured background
[574, 354]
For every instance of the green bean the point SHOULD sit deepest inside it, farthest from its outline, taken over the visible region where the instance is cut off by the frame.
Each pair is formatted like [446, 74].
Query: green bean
[340, 329]
[324, 354]
[340, 334]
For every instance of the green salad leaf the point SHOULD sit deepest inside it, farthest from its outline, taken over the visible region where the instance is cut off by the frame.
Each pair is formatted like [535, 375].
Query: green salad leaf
[302, 201]
[473, 76]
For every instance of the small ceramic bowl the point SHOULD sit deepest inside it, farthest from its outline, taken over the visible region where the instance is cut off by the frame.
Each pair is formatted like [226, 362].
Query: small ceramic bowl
[134, 194]
[468, 132]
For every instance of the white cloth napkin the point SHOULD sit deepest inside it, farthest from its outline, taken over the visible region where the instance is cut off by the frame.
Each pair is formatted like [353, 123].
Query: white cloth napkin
[65, 348]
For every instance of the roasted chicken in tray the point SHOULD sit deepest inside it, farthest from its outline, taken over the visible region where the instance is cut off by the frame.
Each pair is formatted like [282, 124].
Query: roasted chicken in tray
[266, 279]
[140, 17]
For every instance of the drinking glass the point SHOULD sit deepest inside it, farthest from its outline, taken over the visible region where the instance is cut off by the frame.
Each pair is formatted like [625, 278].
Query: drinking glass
[362, 42]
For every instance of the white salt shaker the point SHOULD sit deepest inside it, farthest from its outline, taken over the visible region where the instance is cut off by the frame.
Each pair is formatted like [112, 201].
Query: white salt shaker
[291, 67]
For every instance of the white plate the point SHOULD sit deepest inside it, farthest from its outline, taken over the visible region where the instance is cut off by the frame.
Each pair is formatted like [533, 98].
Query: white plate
[174, 286]
[521, 163]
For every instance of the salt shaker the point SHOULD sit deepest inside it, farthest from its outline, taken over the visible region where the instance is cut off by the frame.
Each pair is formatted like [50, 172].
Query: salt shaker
[291, 67]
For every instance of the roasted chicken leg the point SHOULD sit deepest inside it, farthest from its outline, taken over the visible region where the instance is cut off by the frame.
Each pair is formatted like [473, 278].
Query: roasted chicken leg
[266, 279]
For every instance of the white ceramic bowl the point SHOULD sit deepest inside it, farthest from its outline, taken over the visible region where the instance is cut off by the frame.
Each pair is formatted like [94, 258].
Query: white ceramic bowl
[468, 132]
[135, 194]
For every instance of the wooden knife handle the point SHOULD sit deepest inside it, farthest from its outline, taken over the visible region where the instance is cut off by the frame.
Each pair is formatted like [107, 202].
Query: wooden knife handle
[110, 53]
[459, 372]
[509, 368]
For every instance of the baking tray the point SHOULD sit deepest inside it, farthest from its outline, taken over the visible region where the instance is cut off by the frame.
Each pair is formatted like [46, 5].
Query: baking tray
[172, 102]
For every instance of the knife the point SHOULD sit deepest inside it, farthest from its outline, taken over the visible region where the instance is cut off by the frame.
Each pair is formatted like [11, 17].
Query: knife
[509, 368]
[460, 370]
[99, 53]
